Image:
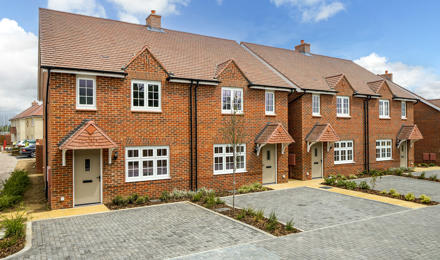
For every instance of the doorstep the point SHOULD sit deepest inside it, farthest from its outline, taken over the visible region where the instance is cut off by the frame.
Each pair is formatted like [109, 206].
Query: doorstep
[77, 211]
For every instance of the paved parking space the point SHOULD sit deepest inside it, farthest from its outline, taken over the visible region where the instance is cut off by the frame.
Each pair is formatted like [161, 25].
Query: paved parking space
[404, 185]
[154, 232]
[428, 173]
[410, 234]
[313, 208]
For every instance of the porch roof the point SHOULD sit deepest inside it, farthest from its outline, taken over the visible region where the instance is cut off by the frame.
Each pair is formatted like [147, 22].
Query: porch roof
[322, 133]
[274, 133]
[409, 132]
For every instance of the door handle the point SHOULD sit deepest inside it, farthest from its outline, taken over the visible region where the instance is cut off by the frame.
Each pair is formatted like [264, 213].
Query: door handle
[315, 163]
[99, 178]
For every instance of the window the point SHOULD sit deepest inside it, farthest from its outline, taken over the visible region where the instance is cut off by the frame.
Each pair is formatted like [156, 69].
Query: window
[343, 152]
[147, 163]
[232, 99]
[270, 103]
[316, 105]
[383, 150]
[384, 109]
[224, 159]
[145, 96]
[85, 93]
[342, 106]
[87, 165]
[403, 105]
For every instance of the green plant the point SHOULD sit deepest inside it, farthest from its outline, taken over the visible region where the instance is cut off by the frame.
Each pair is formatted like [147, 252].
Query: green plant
[330, 180]
[219, 201]
[270, 226]
[196, 196]
[273, 217]
[7, 201]
[351, 185]
[250, 211]
[259, 215]
[132, 198]
[352, 176]
[210, 201]
[410, 197]
[392, 192]
[422, 175]
[118, 200]
[374, 175]
[140, 200]
[241, 215]
[383, 192]
[364, 185]
[16, 184]
[395, 195]
[433, 177]
[432, 165]
[410, 174]
[15, 225]
[165, 196]
[146, 198]
[289, 225]
[424, 165]
[425, 199]
[340, 183]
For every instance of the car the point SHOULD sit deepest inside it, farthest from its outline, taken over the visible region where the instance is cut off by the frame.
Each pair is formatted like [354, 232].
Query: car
[21, 143]
[28, 151]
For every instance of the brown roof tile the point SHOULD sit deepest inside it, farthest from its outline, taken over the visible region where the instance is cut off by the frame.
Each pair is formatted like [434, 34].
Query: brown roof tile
[87, 136]
[274, 133]
[436, 102]
[34, 110]
[376, 85]
[332, 81]
[322, 133]
[409, 132]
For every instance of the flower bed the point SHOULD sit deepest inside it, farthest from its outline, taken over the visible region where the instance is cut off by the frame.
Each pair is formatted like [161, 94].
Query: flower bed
[15, 234]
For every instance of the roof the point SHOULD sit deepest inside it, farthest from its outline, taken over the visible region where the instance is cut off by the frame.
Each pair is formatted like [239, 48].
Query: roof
[86, 135]
[322, 133]
[274, 133]
[312, 71]
[88, 43]
[436, 102]
[34, 110]
[409, 132]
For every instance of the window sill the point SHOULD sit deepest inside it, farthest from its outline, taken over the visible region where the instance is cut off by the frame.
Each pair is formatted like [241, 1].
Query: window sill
[230, 114]
[383, 160]
[149, 179]
[271, 114]
[404, 118]
[146, 111]
[339, 163]
[223, 173]
[385, 118]
[316, 115]
[343, 117]
[86, 109]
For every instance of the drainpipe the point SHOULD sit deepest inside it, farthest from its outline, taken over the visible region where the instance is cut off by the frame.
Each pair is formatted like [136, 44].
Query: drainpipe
[45, 132]
[195, 133]
[191, 136]
[366, 136]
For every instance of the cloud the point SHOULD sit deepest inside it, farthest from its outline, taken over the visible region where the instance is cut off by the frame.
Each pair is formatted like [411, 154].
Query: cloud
[313, 10]
[132, 10]
[421, 80]
[219, 2]
[18, 67]
[87, 7]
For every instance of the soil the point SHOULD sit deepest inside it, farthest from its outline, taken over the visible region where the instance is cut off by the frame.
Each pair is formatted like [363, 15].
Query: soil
[4, 252]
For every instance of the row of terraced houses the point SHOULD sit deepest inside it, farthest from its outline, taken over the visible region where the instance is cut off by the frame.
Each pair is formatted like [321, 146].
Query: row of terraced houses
[140, 108]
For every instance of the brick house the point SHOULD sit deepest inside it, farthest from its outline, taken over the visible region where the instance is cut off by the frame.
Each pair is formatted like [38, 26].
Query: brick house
[427, 117]
[343, 118]
[140, 108]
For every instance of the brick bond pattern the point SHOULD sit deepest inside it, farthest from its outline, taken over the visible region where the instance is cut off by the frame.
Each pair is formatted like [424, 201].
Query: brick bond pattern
[170, 127]
[428, 121]
[301, 122]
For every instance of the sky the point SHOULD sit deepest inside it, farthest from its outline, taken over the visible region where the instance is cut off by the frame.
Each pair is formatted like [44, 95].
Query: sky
[400, 36]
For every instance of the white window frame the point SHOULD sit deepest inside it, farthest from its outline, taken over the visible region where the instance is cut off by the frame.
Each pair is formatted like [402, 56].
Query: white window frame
[384, 113]
[83, 106]
[343, 147]
[233, 90]
[140, 159]
[268, 112]
[316, 105]
[403, 109]
[224, 155]
[383, 149]
[145, 107]
[343, 112]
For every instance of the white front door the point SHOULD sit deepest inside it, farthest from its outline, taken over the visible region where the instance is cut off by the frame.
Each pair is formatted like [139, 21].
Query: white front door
[404, 155]
[316, 151]
[87, 176]
[268, 153]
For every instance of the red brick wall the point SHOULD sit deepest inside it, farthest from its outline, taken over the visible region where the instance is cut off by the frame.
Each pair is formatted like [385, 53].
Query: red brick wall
[428, 122]
[170, 127]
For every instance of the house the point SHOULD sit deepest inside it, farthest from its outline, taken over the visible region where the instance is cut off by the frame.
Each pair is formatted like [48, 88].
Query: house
[28, 125]
[133, 108]
[427, 117]
[343, 118]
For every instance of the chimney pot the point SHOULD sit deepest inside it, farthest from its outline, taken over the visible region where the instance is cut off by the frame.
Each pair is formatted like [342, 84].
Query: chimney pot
[303, 47]
[386, 71]
[153, 11]
[387, 75]
[302, 41]
[154, 20]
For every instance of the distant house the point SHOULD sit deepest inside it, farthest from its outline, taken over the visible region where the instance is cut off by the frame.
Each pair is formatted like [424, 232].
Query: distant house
[28, 125]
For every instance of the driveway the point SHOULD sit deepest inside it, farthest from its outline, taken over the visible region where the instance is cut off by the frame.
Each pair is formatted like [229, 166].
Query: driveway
[154, 232]
[404, 185]
[7, 165]
[313, 208]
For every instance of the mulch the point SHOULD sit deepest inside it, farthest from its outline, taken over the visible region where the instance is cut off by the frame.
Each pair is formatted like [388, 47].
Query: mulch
[4, 252]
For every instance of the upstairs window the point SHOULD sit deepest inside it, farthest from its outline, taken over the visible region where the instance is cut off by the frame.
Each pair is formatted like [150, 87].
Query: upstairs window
[232, 99]
[316, 105]
[145, 96]
[403, 105]
[384, 150]
[270, 103]
[342, 106]
[384, 109]
[85, 93]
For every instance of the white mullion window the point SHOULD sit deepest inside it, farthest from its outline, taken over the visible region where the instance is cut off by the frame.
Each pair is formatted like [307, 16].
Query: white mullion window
[224, 158]
[232, 99]
[270, 102]
[145, 96]
[403, 108]
[342, 106]
[316, 105]
[85, 92]
[384, 150]
[343, 151]
[384, 108]
[147, 163]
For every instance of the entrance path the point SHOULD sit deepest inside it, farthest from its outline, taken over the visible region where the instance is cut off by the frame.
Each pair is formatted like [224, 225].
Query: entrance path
[7, 166]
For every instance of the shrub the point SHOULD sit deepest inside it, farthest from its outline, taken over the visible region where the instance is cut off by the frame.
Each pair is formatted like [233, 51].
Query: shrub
[351, 185]
[241, 215]
[206, 192]
[340, 183]
[132, 198]
[118, 200]
[289, 225]
[352, 176]
[140, 200]
[392, 191]
[330, 180]
[210, 201]
[14, 226]
[196, 196]
[250, 212]
[165, 196]
[432, 165]
[259, 215]
[146, 198]
[433, 177]
[219, 201]
[422, 175]
[16, 184]
[270, 226]
[384, 192]
[425, 199]
[251, 188]
[364, 185]
[396, 195]
[424, 165]
[273, 217]
[410, 197]
[410, 174]
[244, 189]
[397, 171]
[7, 201]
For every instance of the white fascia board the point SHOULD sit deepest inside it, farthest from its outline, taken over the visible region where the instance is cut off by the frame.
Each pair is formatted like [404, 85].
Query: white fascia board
[88, 73]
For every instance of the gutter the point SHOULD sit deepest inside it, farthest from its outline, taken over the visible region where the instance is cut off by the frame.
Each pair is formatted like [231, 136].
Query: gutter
[189, 81]
[45, 133]
[366, 134]
[86, 71]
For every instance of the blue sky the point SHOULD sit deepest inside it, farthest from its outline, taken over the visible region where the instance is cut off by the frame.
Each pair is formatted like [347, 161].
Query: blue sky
[401, 36]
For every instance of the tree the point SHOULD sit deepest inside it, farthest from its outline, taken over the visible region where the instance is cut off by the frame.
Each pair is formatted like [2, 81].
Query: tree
[234, 135]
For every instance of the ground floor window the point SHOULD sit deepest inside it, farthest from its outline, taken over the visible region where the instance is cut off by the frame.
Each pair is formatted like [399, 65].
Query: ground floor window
[343, 152]
[383, 150]
[224, 158]
[147, 163]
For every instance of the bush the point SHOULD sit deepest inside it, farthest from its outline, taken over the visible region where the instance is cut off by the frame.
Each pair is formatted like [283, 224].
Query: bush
[422, 175]
[351, 185]
[433, 177]
[259, 215]
[146, 198]
[392, 192]
[118, 200]
[270, 226]
[425, 199]
[241, 215]
[249, 212]
[251, 188]
[16, 184]
[410, 174]
[395, 195]
[273, 217]
[132, 198]
[165, 196]
[7, 201]
[140, 200]
[210, 201]
[196, 196]
[410, 197]
[272, 222]
[364, 185]
[352, 176]
[423, 165]
[289, 225]
[432, 165]
[14, 226]
[340, 183]
[384, 192]
[330, 180]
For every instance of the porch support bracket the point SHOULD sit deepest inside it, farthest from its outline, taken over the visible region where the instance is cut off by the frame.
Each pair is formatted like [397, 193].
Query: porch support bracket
[309, 145]
[110, 153]
[283, 147]
[63, 153]
[259, 146]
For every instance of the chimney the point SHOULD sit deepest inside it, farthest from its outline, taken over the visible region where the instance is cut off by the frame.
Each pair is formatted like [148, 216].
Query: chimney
[388, 76]
[303, 47]
[154, 20]
[34, 103]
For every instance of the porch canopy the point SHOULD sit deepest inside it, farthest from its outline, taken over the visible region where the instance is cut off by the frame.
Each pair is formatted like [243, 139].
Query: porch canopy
[86, 135]
[408, 133]
[273, 133]
[321, 133]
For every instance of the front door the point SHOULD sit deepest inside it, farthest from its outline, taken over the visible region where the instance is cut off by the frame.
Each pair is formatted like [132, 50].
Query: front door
[403, 155]
[87, 176]
[268, 153]
[316, 151]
